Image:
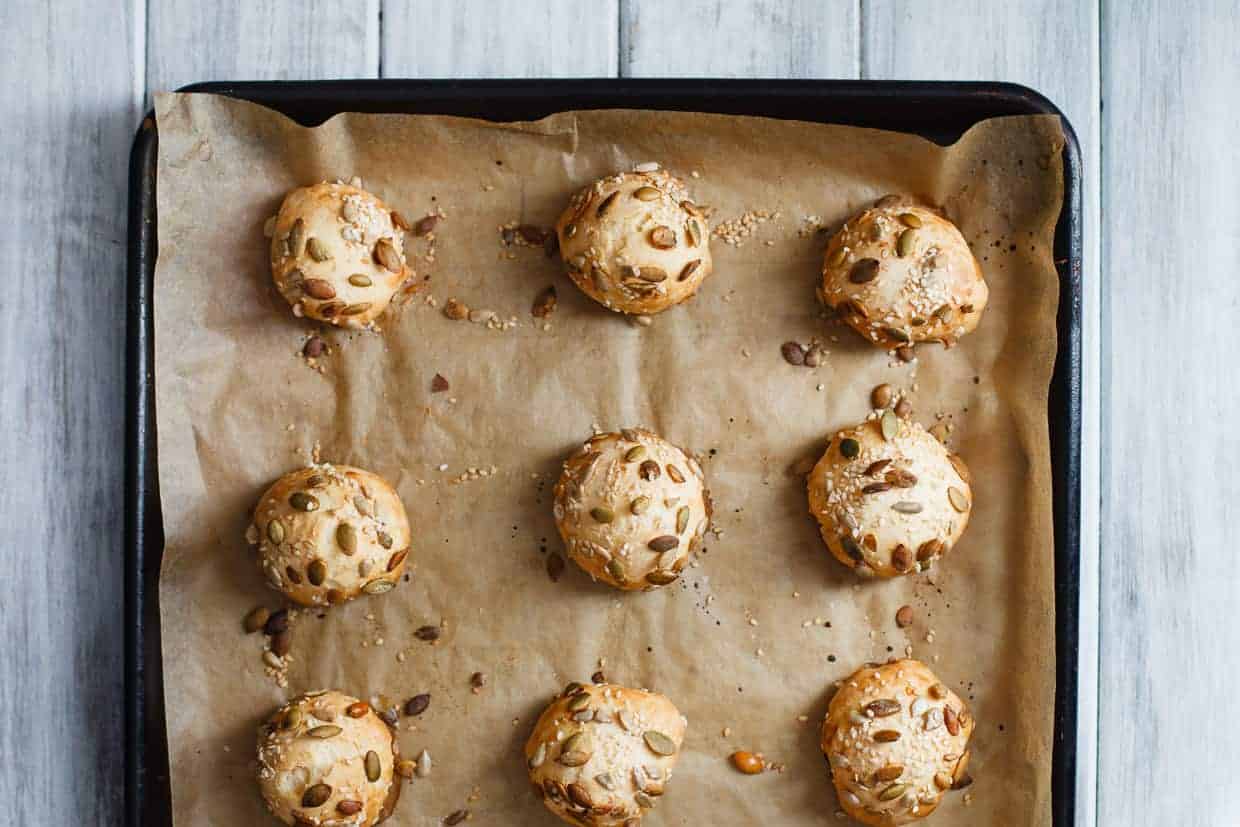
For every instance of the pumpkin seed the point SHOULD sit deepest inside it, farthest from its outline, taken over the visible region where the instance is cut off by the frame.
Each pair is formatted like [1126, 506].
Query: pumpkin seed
[886, 736]
[893, 792]
[674, 473]
[384, 539]
[302, 501]
[579, 795]
[901, 478]
[646, 193]
[907, 507]
[575, 751]
[659, 743]
[256, 619]
[385, 254]
[373, 768]
[682, 519]
[958, 499]
[317, 249]
[909, 219]
[929, 549]
[418, 704]
[649, 470]
[664, 542]
[962, 470]
[793, 353]
[316, 796]
[579, 702]
[605, 781]
[901, 558]
[689, 269]
[864, 271]
[355, 309]
[292, 718]
[346, 538]
[615, 568]
[378, 586]
[606, 204]
[890, 424]
[275, 532]
[296, 236]
[639, 505]
[318, 289]
[882, 708]
[663, 238]
[653, 275]
[876, 466]
[837, 258]
[325, 731]
[635, 453]
[360, 280]
[849, 448]
[661, 577]
[897, 334]
[904, 244]
[694, 231]
[889, 773]
[602, 514]
[316, 572]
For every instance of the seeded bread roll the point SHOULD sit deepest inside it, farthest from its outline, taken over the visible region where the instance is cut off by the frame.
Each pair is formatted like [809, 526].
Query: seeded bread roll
[889, 498]
[896, 739]
[635, 242]
[325, 758]
[900, 273]
[327, 533]
[632, 509]
[601, 755]
[337, 255]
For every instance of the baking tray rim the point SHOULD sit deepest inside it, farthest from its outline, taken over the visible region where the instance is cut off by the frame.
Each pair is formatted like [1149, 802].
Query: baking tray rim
[974, 101]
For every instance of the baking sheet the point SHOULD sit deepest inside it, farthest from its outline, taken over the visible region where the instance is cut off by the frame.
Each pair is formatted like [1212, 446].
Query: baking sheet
[230, 383]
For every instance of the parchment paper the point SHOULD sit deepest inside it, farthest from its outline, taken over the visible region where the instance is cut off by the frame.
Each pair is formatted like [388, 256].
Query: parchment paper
[752, 638]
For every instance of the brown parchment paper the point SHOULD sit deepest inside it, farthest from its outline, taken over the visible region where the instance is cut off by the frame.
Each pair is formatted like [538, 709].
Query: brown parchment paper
[749, 640]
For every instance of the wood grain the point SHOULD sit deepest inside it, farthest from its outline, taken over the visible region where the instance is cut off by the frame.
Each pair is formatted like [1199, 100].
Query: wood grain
[721, 38]
[1171, 210]
[500, 38]
[70, 106]
[190, 41]
[1051, 46]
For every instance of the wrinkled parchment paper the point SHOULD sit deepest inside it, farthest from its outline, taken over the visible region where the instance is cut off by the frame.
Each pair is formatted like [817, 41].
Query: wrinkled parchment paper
[749, 641]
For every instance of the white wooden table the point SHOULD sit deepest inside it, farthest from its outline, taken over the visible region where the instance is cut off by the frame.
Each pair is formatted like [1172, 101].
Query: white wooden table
[1158, 735]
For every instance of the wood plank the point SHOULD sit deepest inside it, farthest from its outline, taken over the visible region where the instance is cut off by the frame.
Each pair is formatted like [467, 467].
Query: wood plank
[71, 106]
[1171, 253]
[191, 41]
[1051, 46]
[500, 38]
[720, 38]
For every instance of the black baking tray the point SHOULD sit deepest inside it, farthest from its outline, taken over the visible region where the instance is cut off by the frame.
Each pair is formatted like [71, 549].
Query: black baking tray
[940, 111]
